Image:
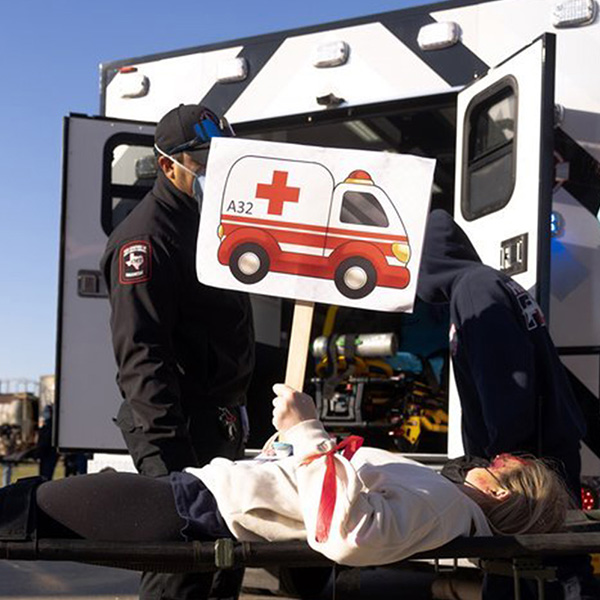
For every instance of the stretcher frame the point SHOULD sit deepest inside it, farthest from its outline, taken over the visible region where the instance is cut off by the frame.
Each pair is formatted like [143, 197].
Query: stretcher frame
[520, 556]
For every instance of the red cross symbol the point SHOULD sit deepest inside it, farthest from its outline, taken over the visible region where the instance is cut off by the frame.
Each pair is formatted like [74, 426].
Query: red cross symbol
[277, 192]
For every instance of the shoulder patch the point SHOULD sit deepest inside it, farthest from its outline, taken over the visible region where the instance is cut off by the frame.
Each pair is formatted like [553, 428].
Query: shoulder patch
[135, 262]
[532, 313]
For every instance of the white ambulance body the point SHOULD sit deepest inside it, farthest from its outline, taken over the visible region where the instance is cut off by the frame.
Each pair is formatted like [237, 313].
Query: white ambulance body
[503, 93]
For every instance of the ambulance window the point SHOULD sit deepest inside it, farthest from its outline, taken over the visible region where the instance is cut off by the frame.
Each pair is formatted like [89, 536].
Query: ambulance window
[362, 208]
[489, 150]
[129, 172]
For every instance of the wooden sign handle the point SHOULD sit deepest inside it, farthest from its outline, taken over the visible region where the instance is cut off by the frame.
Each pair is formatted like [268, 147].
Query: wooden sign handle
[299, 344]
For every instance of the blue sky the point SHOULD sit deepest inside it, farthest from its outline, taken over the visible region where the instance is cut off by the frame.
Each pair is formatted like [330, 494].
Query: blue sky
[50, 52]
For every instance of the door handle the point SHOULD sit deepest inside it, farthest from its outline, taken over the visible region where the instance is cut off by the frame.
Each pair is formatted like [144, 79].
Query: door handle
[513, 255]
[90, 284]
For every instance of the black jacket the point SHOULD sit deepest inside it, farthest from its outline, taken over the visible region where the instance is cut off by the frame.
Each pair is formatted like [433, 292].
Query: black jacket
[180, 346]
[505, 363]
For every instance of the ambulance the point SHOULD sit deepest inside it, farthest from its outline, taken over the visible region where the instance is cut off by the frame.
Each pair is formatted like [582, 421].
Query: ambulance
[502, 93]
[350, 232]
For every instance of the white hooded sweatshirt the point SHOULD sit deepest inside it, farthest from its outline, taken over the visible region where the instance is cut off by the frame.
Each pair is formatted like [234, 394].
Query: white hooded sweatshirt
[387, 507]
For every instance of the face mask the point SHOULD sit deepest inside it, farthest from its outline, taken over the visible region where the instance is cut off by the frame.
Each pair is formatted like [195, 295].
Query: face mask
[199, 178]
[198, 187]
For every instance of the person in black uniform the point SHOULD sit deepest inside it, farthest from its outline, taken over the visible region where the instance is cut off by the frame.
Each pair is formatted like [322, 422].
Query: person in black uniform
[45, 452]
[184, 351]
[513, 389]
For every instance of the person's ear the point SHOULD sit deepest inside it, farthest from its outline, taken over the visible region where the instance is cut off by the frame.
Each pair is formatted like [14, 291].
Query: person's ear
[500, 493]
[167, 166]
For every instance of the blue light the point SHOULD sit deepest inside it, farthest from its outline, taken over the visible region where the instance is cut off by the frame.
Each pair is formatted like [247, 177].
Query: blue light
[557, 224]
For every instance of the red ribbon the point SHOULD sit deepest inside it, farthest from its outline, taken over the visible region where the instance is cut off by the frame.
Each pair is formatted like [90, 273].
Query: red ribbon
[329, 492]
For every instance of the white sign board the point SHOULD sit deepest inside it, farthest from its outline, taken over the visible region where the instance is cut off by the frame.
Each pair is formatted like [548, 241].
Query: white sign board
[316, 224]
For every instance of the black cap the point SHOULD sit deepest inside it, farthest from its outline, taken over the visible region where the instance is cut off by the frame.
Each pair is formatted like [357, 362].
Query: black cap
[189, 128]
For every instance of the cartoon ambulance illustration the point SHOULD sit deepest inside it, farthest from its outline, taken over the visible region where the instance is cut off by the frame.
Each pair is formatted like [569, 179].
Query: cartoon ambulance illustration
[288, 216]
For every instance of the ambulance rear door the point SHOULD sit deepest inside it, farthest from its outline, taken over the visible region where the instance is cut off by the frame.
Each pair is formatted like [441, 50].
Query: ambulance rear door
[504, 174]
[108, 166]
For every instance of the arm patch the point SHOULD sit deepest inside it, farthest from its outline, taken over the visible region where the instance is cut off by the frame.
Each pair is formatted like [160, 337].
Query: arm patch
[135, 262]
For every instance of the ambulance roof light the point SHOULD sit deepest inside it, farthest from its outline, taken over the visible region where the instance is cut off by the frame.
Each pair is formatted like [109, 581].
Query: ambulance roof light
[331, 54]
[234, 69]
[574, 13]
[437, 36]
[131, 83]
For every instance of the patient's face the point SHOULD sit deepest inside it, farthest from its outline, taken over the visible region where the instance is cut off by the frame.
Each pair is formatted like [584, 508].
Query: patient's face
[488, 479]
[481, 478]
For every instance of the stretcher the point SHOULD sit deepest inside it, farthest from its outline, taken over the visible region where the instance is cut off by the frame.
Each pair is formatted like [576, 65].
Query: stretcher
[520, 556]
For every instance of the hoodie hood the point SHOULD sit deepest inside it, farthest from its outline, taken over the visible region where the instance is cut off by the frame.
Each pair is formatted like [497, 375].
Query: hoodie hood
[447, 255]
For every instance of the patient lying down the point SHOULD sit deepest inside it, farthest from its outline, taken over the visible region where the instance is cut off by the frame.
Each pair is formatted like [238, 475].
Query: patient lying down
[356, 505]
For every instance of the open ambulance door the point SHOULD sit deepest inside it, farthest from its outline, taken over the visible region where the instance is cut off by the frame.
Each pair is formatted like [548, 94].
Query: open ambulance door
[108, 166]
[504, 175]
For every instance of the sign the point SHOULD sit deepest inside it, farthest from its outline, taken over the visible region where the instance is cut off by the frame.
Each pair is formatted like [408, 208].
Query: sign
[325, 225]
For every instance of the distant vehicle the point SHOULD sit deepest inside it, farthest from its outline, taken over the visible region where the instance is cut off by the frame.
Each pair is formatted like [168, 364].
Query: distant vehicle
[18, 422]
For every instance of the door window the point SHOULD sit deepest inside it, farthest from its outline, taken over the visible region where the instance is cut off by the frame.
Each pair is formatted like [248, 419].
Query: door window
[362, 208]
[490, 142]
[130, 169]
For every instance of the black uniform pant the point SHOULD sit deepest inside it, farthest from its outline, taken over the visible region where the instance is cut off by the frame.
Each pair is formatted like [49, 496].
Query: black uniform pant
[211, 438]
